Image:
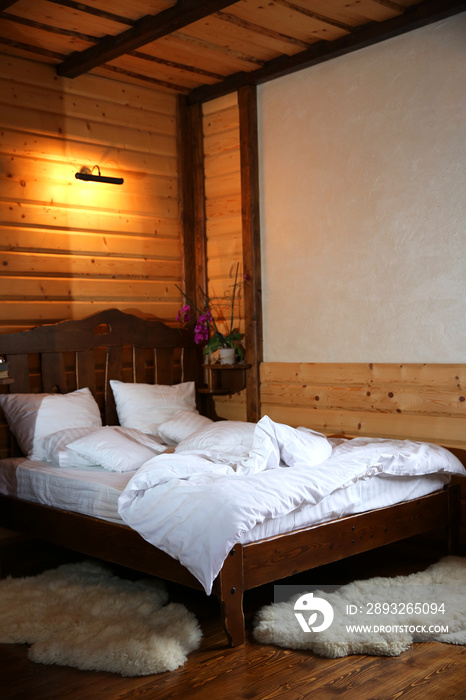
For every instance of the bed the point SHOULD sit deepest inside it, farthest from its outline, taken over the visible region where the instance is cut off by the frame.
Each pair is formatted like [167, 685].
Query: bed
[81, 508]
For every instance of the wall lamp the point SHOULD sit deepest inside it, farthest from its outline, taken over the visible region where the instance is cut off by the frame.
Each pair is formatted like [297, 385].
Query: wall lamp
[86, 174]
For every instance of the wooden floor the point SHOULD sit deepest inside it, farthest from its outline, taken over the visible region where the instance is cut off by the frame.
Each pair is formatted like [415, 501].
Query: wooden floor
[427, 671]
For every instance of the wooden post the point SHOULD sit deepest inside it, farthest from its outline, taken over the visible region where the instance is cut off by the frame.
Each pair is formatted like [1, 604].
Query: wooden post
[229, 588]
[192, 197]
[247, 100]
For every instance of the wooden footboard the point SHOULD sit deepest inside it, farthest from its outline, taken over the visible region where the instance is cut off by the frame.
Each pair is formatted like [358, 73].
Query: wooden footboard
[275, 558]
[246, 566]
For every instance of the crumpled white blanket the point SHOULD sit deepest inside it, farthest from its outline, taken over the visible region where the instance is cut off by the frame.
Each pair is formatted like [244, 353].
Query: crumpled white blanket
[196, 509]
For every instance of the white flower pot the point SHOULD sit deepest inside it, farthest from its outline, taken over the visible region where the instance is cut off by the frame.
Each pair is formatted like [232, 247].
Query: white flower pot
[226, 356]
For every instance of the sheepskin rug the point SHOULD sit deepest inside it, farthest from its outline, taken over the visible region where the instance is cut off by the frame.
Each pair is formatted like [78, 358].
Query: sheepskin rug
[444, 582]
[82, 615]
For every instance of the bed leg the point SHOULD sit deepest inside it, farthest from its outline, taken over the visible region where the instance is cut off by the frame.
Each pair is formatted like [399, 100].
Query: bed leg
[454, 512]
[229, 590]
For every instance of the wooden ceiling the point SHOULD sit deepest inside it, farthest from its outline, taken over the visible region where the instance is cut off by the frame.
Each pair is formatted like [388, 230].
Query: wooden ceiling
[202, 49]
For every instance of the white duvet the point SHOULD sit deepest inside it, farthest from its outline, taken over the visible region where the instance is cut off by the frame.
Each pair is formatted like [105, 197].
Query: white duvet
[195, 504]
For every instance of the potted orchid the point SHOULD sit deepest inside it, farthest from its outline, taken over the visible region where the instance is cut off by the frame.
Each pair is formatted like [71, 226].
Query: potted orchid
[206, 326]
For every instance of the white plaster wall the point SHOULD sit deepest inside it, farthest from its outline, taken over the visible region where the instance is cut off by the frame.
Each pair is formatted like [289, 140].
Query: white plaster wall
[363, 182]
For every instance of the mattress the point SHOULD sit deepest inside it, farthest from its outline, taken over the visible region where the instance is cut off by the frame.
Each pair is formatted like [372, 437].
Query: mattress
[91, 491]
[95, 491]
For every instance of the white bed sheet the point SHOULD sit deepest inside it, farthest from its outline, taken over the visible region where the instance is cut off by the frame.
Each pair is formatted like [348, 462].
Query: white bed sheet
[94, 491]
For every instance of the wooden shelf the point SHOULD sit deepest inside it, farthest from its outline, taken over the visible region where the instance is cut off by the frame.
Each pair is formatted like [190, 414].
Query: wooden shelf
[236, 365]
[224, 379]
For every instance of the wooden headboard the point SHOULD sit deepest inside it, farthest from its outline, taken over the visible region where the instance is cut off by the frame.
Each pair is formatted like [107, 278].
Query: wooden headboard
[111, 344]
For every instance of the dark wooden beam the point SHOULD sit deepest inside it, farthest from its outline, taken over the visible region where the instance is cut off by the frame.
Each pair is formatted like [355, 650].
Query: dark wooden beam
[250, 205]
[6, 3]
[371, 33]
[192, 195]
[144, 31]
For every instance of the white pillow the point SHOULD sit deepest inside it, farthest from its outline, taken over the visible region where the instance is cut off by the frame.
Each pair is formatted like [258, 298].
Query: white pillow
[183, 424]
[56, 451]
[301, 447]
[114, 449]
[225, 434]
[32, 417]
[277, 445]
[146, 406]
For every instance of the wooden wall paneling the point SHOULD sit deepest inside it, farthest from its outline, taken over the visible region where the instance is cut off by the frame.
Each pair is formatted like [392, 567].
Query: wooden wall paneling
[251, 246]
[421, 401]
[72, 248]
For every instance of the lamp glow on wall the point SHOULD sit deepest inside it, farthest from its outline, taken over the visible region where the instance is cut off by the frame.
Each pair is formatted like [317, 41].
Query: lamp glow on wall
[86, 174]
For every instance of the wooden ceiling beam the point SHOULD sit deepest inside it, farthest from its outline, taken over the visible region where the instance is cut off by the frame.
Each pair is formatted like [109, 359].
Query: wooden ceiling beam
[368, 34]
[144, 31]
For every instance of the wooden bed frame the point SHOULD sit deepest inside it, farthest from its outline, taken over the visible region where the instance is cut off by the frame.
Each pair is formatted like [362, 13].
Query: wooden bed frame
[115, 345]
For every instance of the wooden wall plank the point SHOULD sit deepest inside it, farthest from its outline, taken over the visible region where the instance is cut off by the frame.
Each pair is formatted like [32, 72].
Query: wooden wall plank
[51, 219]
[77, 264]
[221, 142]
[121, 94]
[398, 399]
[223, 205]
[80, 288]
[221, 120]
[367, 375]
[152, 253]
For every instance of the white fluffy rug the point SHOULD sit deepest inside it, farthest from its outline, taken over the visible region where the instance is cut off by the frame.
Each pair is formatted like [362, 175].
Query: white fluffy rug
[82, 615]
[444, 582]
